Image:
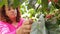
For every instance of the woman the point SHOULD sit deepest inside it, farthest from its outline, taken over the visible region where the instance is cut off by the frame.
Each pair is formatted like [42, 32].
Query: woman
[12, 23]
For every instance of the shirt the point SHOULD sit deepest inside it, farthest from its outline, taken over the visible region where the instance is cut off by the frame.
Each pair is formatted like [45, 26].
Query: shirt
[6, 28]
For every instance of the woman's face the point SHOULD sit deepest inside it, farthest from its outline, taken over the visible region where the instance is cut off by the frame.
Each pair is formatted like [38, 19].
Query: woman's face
[11, 13]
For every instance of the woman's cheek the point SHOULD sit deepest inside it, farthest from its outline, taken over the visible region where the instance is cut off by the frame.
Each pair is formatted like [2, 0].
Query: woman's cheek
[10, 15]
[7, 13]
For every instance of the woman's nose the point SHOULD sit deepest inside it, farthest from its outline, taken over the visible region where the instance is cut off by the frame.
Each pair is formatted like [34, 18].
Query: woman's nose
[12, 11]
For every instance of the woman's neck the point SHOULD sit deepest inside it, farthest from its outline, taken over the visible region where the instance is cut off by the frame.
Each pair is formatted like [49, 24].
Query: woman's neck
[13, 20]
[14, 23]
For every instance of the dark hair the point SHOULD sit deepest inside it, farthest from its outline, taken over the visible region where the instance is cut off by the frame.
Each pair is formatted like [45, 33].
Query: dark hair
[0, 13]
[6, 18]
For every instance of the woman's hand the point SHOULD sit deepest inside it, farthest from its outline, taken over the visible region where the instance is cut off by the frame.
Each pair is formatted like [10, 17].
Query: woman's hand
[25, 28]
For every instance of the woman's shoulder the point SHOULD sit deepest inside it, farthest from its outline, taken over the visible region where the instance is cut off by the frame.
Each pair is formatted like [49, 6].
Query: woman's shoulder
[2, 24]
[3, 28]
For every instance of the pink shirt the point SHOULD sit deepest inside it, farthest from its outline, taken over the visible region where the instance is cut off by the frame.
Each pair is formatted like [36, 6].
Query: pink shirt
[6, 28]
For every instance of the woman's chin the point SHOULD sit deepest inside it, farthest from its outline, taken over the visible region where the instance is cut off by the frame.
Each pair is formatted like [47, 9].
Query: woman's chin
[13, 17]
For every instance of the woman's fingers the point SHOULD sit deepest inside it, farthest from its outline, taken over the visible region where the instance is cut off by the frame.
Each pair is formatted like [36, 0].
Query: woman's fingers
[26, 31]
[26, 22]
[30, 21]
[26, 27]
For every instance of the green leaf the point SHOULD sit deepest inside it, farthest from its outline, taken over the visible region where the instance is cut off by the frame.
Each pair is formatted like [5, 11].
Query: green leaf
[16, 3]
[39, 1]
[44, 5]
[32, 12]
[3, 2]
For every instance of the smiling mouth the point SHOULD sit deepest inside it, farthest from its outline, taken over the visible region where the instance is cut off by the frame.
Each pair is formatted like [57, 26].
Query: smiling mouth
[13, 14]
